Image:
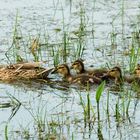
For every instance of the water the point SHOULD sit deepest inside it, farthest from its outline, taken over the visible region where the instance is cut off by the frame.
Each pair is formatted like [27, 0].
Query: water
[61, 110]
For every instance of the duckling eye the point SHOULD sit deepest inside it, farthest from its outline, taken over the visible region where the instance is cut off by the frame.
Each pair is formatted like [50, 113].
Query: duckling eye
[74, 64]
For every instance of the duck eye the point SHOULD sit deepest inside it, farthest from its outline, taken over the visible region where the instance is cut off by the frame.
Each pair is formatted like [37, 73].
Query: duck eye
[112, 70]
[61, 67]
[75, 63]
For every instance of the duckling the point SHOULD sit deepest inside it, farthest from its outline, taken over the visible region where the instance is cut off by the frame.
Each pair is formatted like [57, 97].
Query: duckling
[116, 73]
[23, 71]
[83, 79]
[78, 66]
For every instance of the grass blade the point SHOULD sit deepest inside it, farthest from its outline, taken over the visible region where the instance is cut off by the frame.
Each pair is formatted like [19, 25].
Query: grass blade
[99, 91]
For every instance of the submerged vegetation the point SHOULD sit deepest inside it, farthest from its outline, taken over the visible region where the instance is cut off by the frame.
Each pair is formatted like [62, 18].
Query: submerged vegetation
[58, 110]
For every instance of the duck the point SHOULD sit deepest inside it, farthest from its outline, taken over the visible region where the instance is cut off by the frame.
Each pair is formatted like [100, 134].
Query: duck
[79, 67]
[26, 71]
[82, 79]
[119, 79]
[115, 73]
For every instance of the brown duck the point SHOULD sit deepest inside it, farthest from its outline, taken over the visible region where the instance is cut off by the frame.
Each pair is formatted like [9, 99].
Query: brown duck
[79, 67]
[116, 73]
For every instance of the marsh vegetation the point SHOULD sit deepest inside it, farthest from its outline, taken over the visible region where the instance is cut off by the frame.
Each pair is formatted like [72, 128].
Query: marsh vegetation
[104, 33]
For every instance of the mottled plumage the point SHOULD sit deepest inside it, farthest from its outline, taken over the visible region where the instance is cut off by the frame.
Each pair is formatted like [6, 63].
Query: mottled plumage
[78, 66]
[63, 69]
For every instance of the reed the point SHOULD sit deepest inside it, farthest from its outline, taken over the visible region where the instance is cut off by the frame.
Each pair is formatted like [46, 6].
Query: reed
[88, 109]
[134, 52]
[99, 92]
[117, 112]
[61, 45]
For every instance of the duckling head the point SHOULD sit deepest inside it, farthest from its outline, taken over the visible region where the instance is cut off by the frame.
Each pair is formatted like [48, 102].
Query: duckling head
[116, 73]
[62, 69]
[78, 66]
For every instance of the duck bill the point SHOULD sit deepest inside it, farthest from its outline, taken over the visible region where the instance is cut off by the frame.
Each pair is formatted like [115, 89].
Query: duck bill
[71, 67]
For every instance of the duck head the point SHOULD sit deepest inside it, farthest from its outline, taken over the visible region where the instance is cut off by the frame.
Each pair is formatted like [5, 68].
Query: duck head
[116, 73]
[78, 66]
[62, 69]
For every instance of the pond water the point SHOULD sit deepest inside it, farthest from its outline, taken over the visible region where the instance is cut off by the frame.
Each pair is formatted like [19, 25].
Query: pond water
[100, 32]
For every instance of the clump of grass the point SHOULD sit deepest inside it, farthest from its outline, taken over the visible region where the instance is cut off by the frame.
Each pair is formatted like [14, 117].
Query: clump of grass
[122, 106]
[15, 44]
[61, 51]
[81, 34]
[134, 52]
[88, 109]
[25, 132]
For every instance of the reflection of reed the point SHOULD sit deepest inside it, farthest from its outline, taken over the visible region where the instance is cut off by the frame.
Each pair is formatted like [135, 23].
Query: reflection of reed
[5, 105]
[99, 132]
[15, 107]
